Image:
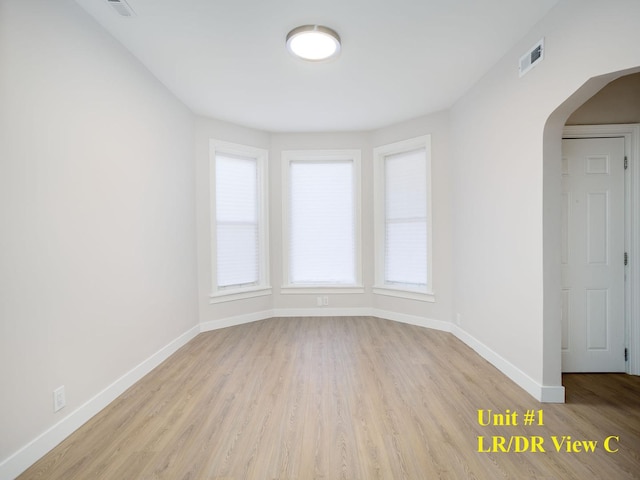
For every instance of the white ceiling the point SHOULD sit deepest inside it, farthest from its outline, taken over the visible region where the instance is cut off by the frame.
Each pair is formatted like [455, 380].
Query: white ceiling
[400, 59]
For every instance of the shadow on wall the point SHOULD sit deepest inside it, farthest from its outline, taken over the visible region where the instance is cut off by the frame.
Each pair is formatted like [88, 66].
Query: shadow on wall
[618, 102]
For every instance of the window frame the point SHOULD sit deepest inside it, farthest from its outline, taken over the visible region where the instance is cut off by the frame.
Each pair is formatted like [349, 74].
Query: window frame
[321, 156]
[262, 286]
[380, 154]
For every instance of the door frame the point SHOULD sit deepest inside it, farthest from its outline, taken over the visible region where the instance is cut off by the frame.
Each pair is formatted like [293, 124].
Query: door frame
[631, 134]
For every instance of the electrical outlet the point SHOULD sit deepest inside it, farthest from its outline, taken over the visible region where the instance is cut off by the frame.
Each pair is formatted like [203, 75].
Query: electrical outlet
[59, 400]
[325, 301]
[319, 301]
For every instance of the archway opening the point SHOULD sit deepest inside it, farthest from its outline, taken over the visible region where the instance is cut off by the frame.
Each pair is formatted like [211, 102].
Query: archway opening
[582, 107]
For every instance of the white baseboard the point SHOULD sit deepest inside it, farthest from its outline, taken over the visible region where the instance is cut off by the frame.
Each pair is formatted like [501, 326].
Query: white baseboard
[552, 394]
[546, 394]
[34, 450]
[37, 448]
[323, 312]
[284, 312]
[235, 320]
[414, 320]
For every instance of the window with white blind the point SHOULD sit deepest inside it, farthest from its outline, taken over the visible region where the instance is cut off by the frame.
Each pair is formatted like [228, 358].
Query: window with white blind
[403, 219]
[239, 226]
[321, 220]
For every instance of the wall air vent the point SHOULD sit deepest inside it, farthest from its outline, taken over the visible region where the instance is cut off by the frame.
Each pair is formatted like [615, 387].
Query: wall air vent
[122, 7]
[530, 59]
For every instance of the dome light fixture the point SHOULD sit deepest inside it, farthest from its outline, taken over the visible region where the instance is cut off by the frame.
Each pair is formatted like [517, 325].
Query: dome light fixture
[313, 43]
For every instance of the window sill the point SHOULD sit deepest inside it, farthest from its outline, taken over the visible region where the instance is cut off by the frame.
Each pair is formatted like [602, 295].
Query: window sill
[426, 296]
[239, 294]
[320, 289]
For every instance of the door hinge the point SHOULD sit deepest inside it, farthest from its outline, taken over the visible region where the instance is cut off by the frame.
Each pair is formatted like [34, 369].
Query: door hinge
[626, 258]
[626, 354]
[626, 162]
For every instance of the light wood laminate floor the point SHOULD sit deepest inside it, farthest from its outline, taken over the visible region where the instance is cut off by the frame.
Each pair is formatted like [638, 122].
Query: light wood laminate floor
[344, 398]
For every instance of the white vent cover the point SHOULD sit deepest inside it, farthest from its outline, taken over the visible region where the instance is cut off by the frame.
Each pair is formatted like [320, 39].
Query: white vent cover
[530, 59]
[121, 7]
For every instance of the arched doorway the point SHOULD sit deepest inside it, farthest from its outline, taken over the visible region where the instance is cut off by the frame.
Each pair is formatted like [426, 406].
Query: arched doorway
[552, 228]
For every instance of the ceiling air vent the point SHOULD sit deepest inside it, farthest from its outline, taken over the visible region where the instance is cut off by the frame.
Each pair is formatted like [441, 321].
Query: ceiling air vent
[532, 57]
[120, 6]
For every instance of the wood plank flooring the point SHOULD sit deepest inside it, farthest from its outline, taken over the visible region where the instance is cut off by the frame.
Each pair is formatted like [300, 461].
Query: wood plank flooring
[345, 398]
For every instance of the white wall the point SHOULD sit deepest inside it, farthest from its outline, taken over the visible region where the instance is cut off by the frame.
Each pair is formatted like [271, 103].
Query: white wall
[295, 304]
[207, 129]
[319, 141]
[97, 217]
[437, 125]
[506, 182]
[97, 193]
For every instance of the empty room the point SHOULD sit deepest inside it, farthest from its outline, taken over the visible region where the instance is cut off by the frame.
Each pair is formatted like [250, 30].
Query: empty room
[348, 239]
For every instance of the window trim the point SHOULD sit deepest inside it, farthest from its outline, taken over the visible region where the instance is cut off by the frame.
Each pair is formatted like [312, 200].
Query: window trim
[262, 287]
[379, 155]
[340, 155]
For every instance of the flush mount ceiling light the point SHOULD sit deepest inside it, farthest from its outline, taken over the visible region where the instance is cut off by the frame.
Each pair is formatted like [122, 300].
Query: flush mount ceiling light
[313, 43]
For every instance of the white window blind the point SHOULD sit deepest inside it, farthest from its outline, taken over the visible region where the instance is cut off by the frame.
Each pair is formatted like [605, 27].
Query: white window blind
[237, 221]
[322, 230]
[405, 228]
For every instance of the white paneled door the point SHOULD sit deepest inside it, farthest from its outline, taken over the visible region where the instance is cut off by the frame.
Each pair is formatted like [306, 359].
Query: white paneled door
[593, 323]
